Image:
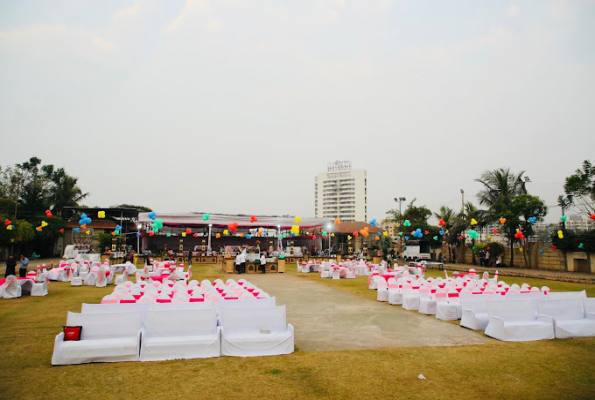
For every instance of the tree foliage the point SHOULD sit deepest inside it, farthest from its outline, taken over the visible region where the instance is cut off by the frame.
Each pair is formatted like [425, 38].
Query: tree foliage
[579, 189]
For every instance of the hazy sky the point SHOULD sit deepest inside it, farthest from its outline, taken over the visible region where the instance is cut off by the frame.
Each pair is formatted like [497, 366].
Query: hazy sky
[234, 106]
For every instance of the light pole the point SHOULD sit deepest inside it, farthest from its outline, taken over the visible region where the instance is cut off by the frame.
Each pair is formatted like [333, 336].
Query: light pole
[329, 227]
[400, 200]
[209, 241]
[138, 238]
[462, 202]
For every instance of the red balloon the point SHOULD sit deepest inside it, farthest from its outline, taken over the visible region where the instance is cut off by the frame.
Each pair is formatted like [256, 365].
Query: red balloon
[188, 231]
[195, 235]
[151, 233]
[61, 230]
[356, 233]
[554, 247]
[233, 226]
[253, 218]
[441, 222]
[7, 222]
[426, 232]
[495, 231]
[313, 236]
[460, 238]
[592, 217]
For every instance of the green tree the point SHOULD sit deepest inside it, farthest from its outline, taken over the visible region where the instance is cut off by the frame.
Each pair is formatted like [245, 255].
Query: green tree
[579, 189]
[135, 207]
[64, 191]
[417, 216]
[505, 195]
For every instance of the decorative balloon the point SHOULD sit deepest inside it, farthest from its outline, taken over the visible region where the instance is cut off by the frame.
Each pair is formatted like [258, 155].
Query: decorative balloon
[592, 216]
[217, 235]
[385, 233]
[151, 233]
[44, 224]
[137, 234]
[406, 223]
[205, 217]
[435, 238]
[168, 235]
[349, 237]
[62, 230]
[377, 237]
[233, 226]
[495, 231]
[253, 218]
[473, 234]
[519, 234]
[7, 222]
[563, 218]
[101, 214]
[248, 236]
[532, 220]
[195, 235]
[76, 230]
[373, 222]
[151, 215]
[581, 246]
[10, 227]
[473, 221]
[226, 232]
[297, 220]
[183, 234]
[188, 231]
[338, 221]
[540, 251]
[406, 237]
[48, 213]
[554, 247]
[521, 249]
[441, 233]
[502, 220]
[441, 222]
[295, 230]
[560, 234]
[356, 233]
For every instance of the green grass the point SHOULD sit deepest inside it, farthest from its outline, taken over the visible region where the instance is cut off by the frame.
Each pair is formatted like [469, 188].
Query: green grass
[546, 370]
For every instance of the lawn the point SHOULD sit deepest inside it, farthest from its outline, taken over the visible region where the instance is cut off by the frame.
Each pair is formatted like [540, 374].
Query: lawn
[547, 369]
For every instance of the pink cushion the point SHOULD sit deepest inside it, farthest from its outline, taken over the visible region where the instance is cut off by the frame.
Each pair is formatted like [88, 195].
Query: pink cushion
[196, 299]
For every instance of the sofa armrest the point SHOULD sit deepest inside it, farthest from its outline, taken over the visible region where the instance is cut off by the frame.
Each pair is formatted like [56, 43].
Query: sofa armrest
[59, 337]
[590, 315]
[290, 328]
[546, 318]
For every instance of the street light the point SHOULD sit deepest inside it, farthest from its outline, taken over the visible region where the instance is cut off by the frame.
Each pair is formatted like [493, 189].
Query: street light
[462, 201]
[209, 241]
[400, 200]
[329, 227]
[138, 238]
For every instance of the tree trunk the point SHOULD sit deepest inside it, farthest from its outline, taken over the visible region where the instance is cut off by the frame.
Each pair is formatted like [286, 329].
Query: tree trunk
[473, 261]
[511, 254]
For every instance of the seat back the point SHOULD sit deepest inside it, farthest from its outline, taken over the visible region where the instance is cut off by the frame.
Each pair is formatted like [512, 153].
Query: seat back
[189, 322]
[512, 310]
[477, 303]
[254, 319]
[106, 325]
[589, 304]
[181, 306]
[562, 310]
[566, 295]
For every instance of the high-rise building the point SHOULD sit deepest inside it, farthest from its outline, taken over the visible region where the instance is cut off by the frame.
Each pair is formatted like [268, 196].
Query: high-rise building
[341, 192]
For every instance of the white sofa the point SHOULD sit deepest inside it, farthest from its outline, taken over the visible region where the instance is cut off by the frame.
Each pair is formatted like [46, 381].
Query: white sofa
[515, 321]
[255, 331]
[569, 318]
[180, 334]
[105, 337]
[475, 310]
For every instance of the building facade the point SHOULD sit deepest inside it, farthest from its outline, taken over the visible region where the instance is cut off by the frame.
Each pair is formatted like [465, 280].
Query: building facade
[341, 193]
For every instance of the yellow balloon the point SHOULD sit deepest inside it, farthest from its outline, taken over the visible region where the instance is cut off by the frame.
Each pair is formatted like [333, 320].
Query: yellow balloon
[473, 221]
[44, 224]
[521, 249]
[88, 232]
[295, 229]
[348, 237]
[332, 235]
[183, 234]
[101, 214]
[226, 232]
[385, 233]
[489, 236]
[297, 220]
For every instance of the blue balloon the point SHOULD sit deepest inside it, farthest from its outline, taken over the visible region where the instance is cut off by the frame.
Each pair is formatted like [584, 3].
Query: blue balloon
[81, 221]
[152, 215]
[540, 251]
[441, 233]
[83, 216]
[373, 222]
[118, 228]
[532, 220]
[88, 220]
[248, 236]
[76, 230]
[406, 237]
[292, 234]
[137, 234]
[264, 234]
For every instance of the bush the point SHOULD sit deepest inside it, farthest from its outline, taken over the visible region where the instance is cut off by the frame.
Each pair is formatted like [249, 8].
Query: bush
[495, 248]
[572, 240]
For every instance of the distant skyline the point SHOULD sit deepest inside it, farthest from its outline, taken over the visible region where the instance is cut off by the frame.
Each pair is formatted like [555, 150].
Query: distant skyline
[234, 107]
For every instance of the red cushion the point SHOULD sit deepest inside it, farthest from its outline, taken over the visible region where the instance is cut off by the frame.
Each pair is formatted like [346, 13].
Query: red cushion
[72, 333]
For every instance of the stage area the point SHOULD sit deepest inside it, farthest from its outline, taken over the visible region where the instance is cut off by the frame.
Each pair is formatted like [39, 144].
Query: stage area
[326, 318]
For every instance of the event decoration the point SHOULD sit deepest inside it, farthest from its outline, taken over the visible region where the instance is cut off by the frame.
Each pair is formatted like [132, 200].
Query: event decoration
[338, 221]
[473, 221]
[183, 234]
[48, 213]
[563, 218]
[205, 217]
[406, 223]
[152, 215]
[195, 235]
[101, 214]
[297, 220]
[218, 235]
[295, 229]
[532, 220]
[441, 222]
[253, 218]
[581, 246]
[233, 226]
[540, 251]
[62, 230]
[349, 237]
[519, 234]
[373, 222]
[560, 234]
[188, 231]
[502, 220]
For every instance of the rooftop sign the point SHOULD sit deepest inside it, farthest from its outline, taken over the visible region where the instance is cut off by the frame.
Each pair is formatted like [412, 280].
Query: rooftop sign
[339, 166]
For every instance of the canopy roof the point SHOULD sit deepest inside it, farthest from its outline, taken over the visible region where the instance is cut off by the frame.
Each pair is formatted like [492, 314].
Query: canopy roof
[196, 219]
[350, 227]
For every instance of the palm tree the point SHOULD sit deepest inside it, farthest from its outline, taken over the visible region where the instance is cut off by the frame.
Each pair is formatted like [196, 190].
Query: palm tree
[448, 215]
[500, 186]
[65, 191]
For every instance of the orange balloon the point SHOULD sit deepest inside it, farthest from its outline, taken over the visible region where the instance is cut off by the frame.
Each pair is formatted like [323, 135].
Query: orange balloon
[337, 221]
[218, 235]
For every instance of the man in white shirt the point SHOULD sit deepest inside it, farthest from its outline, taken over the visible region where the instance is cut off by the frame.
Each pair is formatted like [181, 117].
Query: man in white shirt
[263, 262]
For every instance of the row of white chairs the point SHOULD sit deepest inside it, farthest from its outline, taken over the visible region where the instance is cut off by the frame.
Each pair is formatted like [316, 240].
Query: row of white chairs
[13, 288]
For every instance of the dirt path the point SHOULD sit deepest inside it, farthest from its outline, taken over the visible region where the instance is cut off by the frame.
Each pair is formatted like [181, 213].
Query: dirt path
[330, 319]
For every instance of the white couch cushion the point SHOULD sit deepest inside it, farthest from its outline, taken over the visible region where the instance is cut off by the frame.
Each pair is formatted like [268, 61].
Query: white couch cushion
[107, 325]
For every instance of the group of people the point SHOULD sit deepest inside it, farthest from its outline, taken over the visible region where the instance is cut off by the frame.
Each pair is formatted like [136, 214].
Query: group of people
[241, 259]
[11, 265]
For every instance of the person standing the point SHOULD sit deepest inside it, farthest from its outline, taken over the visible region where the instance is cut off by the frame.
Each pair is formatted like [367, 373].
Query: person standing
[238, 263]
[190, 256]
[24, 266]
[263, 263]
[11, 264]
